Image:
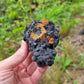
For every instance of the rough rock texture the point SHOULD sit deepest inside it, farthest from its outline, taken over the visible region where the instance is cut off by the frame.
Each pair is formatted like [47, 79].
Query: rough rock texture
[42, 37]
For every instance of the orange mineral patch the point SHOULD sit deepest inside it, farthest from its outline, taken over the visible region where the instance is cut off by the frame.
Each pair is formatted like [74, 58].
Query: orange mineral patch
[42, 35]
[43, 31]
[44, 22]
[34, 36]
[51, 41]
[48, 37]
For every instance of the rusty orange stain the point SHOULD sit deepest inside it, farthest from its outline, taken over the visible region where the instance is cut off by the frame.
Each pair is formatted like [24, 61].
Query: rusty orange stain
[43, 31]
[48, 37]
[44, 22]
[43, 37]
[33, 35]
[51, 41]
[42, 28]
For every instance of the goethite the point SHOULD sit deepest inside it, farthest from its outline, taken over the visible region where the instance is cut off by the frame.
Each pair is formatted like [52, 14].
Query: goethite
[42, 37]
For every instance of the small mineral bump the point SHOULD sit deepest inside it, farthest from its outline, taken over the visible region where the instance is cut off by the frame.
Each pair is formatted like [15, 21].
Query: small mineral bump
[54, 53]
[33, 58]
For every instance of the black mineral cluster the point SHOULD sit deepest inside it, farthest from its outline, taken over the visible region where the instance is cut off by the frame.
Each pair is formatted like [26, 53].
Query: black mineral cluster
[44, 52]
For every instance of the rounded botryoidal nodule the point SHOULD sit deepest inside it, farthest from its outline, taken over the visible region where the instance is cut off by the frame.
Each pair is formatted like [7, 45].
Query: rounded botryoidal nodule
[33, 58]
[54, 52]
